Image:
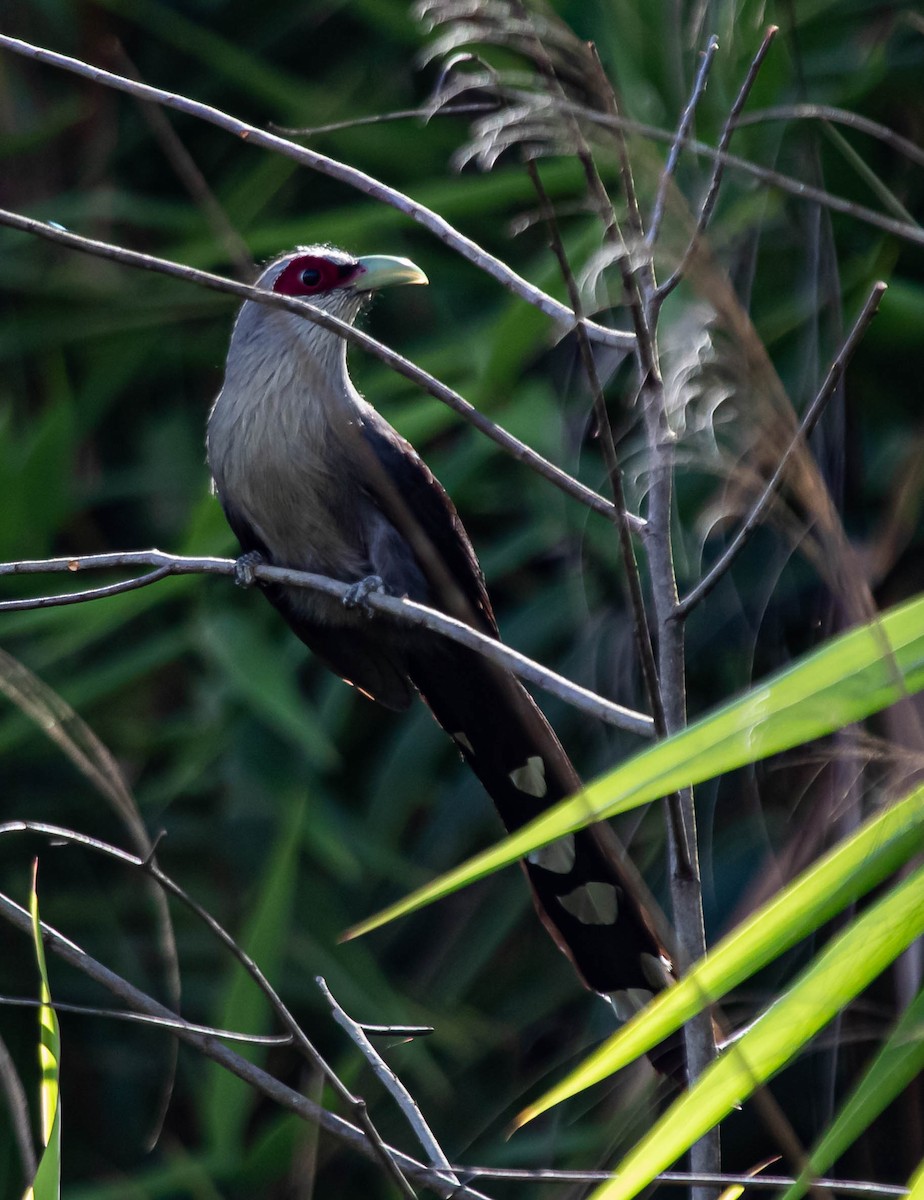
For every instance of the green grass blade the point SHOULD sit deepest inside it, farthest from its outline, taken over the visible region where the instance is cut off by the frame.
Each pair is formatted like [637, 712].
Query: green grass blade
[847, 965]
[47, 1182]
[916, 1184]
[893, 1068]
[227, 1101]
[879, 848]
[849, 678]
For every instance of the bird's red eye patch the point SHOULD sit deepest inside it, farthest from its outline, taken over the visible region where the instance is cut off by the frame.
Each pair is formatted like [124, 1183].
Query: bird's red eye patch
[312, 275]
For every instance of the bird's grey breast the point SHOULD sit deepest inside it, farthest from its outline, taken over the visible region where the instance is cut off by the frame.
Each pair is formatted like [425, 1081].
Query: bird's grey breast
[276, 448]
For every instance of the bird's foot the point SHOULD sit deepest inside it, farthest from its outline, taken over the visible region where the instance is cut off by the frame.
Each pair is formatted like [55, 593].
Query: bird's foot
[243, 568]
[357, 594]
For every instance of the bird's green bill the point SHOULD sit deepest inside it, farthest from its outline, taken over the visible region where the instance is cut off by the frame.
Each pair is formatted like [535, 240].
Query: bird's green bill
[384, 270]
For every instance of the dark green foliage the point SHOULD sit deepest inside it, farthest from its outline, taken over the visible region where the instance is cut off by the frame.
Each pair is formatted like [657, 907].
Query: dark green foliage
[292, 807]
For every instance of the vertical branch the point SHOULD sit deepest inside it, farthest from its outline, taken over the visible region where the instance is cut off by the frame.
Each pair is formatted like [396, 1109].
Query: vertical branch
[683, 860]
[708, 205]
[392, 1083]
[627, 547]
[683, 130]
[668, 678]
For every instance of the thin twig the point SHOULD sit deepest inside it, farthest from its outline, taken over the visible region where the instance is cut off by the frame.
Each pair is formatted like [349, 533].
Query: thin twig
[254, 1076]
[608, 445]
[392, 1031]
[837, 116]
[403, 609]
[18, 1105]
[844, 1187]
[119, 1014]
[322, 163]
[618, 129]
[187, 171]
[58, 721]
[402, 114]
[613, 234]
[683, 857]
[668, 690]
[383, 1072]
[683, 130]
[708, 205]
[913, 233]
[808, 423]
[350, 333]
[98, 593]
[786, 183]
[300, 1039]
[640, 286]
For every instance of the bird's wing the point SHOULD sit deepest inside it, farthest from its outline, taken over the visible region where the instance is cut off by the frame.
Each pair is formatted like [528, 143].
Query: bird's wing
[414, 502]
[364, 659]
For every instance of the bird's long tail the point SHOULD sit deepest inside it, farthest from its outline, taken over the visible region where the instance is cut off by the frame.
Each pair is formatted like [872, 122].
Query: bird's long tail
[582, 892]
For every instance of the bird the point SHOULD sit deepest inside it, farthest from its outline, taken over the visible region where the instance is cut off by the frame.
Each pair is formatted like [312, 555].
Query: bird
[312, 477]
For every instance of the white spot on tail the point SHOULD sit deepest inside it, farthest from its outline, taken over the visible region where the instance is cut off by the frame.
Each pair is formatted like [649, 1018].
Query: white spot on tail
[629, 1001]
[657, 971]
[461, 739]
[592, 903]
[530, 778]
[557, 857]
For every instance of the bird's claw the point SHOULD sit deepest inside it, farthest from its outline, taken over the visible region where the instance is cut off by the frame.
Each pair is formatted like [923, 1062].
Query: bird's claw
[357, 594]
[243, 568]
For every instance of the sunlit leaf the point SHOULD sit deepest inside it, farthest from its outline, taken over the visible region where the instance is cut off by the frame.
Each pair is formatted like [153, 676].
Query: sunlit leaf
[899, 1061]
[844, 968]
[849, 678]
[857, 864]
[916, 1184]
[47, 1182]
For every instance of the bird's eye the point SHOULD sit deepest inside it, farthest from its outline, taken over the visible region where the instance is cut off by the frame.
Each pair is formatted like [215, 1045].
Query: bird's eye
[310, 277]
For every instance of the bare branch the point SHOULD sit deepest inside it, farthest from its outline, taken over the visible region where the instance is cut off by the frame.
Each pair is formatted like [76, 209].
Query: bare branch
[403, 608]
[708, 205]
[58, 721]
[424, 113]
[119, 1014]
[808, 423]
[300, 1039]
[99, 593]
[254, 1076]
[351, 176]
[18, 1105]
[395, 361]
[399, 1031]
[683, 130]
[843, 1187]
[605, 433]
[837, 116]
[188, 172]
[614, 122]
[668, 697]
[601, 203]
[393, 1084]
[910, 232]
[683, 857]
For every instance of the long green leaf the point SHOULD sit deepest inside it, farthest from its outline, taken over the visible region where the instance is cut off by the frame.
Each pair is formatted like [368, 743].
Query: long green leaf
[227, 1102]
[848, 964]
[899, 1061]
[46, 1184]
[878, 849]
[849, 678]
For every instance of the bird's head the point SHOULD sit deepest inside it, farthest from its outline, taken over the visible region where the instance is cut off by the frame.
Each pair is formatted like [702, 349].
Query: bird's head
[271, 349]
[334, 280]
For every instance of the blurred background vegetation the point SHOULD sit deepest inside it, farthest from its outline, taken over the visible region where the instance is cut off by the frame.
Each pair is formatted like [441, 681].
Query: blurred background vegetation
[293, 807]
